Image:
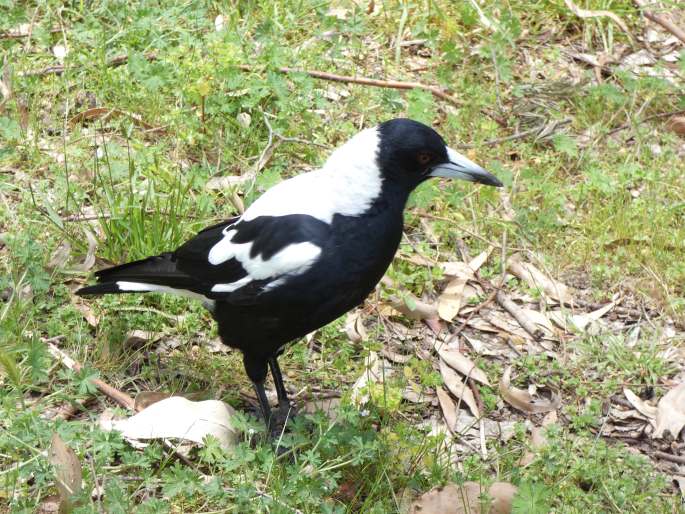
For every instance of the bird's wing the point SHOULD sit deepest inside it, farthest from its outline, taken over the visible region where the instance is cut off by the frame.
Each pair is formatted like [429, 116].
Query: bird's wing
[239, 260]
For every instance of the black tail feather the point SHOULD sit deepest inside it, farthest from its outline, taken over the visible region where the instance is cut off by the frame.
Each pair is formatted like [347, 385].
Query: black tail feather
[159, 270]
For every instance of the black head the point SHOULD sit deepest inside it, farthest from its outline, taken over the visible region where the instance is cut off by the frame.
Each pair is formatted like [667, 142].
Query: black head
[411, 152]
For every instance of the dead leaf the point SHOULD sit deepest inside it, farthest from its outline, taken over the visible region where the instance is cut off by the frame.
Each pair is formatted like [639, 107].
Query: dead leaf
[537, 441]
[458, 387]
[86, 310]
[448, 407]
[179, 418]
[49, 505]
[104, 114]
[670, 415]
[354, 327]
[460, 362]
[523, 400]
[89, 260]
[502, 494]
[644, 408]
[580, 321]
[538, 280]
[451, 299]
[330, 406]
[419, 310]
[586, 13]
[677, 125]
[60, 256]
[146, 398]
[467, 498]
[68, 472]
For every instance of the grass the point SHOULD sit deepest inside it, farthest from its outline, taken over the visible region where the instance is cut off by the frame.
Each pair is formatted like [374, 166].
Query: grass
[602, 205]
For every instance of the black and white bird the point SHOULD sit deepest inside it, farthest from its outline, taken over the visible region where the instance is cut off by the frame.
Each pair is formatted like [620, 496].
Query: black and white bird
[304, 253]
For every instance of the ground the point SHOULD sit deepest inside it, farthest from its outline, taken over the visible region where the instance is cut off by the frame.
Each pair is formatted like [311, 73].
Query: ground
[125, 127]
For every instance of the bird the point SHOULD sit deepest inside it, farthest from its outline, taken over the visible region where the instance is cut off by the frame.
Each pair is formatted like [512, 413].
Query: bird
[305, 252]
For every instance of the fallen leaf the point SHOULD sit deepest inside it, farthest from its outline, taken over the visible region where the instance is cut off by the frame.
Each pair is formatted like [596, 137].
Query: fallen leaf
[60, 256]
[523, 400]
[502, 494]
[580, 321]
[89, 260]
[49, 504]
[670, 415]
[677, 125]
[461, 363]
[354, 327]
[330, 407]
[68, 472]
[644, 408]
[538, 280]
[179, 418]
[448, 407]
[586, 13]
[451, 299]
[537, 441]
[467, 498]
[85, 310]
[138, 338]
[146, 398]
[458, 387]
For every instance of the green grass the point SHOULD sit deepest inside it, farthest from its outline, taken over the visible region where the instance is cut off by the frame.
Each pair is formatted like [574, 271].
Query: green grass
[606, 206]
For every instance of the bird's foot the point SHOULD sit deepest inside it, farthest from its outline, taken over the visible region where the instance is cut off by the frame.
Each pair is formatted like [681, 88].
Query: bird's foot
[279, 419]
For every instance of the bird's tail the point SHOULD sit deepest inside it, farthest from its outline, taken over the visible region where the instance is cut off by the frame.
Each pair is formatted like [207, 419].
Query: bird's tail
[157, 273]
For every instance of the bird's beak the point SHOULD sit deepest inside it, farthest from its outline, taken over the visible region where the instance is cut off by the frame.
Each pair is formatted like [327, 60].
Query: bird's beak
[462, 168]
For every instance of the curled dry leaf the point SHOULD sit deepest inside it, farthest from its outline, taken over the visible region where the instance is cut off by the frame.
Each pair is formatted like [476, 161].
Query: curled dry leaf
[448, 407]
[179, 418]
[586, 13]
[89, 260]
[538, 280]
[670, 415]
[413, 308]
[146, 398]
[452, 298]
[677, 125]
[644, 408]
[580, 321]
[60, 256]
[354, 327]
[68, 472]
[467, 498]
[86, 310]
[523, 400]
[458, 387]
[460, 362]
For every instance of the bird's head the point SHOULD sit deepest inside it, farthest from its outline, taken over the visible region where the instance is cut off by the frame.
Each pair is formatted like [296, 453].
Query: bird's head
[410, 152]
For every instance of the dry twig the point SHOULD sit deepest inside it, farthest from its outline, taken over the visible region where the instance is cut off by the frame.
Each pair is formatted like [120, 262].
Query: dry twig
[516, 312]
[660, 20]
[392, 84]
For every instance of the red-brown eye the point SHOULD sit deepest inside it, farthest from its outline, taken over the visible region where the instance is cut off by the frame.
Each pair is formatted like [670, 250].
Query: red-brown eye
[424, 158]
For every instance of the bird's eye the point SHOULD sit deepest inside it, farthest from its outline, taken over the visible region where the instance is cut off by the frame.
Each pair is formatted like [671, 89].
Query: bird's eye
[425, 158]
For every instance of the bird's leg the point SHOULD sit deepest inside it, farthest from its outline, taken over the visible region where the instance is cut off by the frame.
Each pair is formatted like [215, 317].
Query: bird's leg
[278, 382]
[285, 409]
[263, 403]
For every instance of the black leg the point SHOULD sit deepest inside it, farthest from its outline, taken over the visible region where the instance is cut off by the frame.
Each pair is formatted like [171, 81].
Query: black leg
[263, 402]
[283, 400]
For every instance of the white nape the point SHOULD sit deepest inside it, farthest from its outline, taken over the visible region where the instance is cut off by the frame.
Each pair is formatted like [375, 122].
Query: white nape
[347, 184]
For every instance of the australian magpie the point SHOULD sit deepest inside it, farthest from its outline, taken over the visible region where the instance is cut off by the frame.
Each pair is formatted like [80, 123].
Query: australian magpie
[305, 252]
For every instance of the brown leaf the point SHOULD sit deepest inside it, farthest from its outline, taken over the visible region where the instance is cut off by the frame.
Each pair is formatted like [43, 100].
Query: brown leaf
[523, 400]
[68, 473]
[354, 327]
[146, 398]
[670, 415]
[451, 499]
[644, 408]
[586, 13]
[468, 498]
[60, 256]
[49, 505]
[104, 114]
[538, 280]
[86, 310]
[677, 125]
[458, 387]
[461, 363]
[89, 260]
[451, 299]
[449, 408]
